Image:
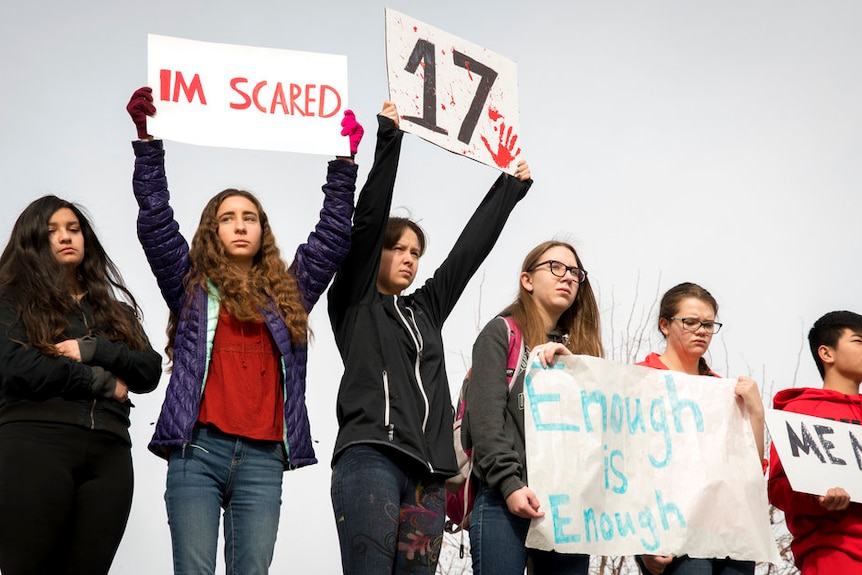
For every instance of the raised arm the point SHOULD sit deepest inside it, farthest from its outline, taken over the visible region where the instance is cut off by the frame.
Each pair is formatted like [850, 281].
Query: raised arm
[475, 242]
[159, 233]
[358, 275]
[320, 257]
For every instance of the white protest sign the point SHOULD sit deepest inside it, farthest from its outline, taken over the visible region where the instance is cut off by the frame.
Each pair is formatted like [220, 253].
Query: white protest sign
[631, 460]
[817, 454]
[453, 93]
[244, 97]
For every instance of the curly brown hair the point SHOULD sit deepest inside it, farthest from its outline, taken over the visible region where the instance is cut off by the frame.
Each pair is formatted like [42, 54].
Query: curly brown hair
[243, 294]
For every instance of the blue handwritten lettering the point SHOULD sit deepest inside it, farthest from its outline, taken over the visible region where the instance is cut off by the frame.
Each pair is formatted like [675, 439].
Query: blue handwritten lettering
[560, 522]
[538, 398]
[664, 510]
[658, 421]
[646, 520]
[596, 397]
[637, 422]
[616, 413]
[678, 405]
[607, 525]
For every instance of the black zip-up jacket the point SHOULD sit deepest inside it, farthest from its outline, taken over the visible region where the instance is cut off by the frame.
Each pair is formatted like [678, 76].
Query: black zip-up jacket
[38, 387]
[394, 390]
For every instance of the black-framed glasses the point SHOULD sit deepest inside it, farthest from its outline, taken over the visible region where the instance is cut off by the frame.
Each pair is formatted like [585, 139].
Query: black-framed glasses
[694, 324]
[559, 269]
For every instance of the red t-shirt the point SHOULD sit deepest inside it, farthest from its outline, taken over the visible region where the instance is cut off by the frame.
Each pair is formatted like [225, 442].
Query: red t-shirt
[243, 394]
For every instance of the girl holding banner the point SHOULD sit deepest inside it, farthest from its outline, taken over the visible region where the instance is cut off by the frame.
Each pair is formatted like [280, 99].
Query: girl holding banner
[557, 314]
[394, 446]
[234, 416]
[70, 353]
[686, 319]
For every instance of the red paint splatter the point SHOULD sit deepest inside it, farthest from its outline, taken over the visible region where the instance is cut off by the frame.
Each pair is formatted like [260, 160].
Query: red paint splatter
[467, 66]
[415, 29]
[494, 114]
[442, 106]
[451, 99]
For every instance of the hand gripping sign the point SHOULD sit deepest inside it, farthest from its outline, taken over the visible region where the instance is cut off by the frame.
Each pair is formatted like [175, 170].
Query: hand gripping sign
[453, 93]
[245, 97]
[630, 460]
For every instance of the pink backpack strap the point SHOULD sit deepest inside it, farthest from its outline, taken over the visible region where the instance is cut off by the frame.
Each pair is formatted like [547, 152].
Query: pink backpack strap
[516, 350]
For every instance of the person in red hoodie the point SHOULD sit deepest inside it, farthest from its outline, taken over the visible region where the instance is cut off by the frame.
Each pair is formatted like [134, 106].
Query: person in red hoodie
[826, 529]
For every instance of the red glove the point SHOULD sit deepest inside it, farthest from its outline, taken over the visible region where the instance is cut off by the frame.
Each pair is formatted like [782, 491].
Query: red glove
[350, 127]
[139, 107]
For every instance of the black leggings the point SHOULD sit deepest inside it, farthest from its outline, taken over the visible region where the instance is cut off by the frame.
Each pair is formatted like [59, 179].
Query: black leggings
[65, 496]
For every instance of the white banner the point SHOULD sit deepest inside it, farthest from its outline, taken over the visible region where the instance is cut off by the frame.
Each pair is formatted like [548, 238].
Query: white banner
[245, 97]
[817, 454]
[453, 93]
[631, 460]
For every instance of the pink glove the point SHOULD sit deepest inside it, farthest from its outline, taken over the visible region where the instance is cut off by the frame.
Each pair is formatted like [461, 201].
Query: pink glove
[139, 107]
[350, 127]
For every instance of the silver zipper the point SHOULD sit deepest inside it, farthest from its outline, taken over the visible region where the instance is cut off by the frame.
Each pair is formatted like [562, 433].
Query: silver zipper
[417, 341]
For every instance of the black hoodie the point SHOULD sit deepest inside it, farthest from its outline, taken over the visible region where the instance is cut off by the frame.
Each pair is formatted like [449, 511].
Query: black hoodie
[394, 390]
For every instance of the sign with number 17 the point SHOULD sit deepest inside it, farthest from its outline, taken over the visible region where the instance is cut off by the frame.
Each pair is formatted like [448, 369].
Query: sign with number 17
[453, 93]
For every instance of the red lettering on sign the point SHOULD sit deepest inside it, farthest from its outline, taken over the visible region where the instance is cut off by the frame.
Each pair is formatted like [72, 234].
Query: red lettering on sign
[295, 92]
[324, 88]
[164, 85]
[255, 93]
[245, 97]
[278, 99]
[189, 89]
[309, 99]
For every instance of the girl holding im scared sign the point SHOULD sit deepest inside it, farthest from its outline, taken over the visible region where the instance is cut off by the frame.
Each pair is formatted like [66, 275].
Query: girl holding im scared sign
[234, 415]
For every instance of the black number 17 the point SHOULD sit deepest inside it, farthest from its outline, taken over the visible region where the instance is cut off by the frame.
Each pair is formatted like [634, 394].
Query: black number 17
[425, 51]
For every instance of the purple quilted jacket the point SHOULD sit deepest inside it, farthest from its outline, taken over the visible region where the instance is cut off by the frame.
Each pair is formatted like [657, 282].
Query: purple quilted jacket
[315, 263]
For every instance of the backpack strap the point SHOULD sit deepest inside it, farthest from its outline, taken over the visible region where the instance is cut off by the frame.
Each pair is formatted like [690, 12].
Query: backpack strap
[514, 362]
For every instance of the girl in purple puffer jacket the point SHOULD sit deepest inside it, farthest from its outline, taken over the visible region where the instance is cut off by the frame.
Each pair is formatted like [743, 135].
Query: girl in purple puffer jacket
[234, 416]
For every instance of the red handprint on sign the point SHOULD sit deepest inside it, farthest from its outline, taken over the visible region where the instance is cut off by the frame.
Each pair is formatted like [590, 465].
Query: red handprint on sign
[504, 155]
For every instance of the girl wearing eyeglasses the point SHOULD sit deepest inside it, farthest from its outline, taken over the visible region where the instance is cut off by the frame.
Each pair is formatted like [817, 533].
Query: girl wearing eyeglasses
[557, 314]
[687, 321]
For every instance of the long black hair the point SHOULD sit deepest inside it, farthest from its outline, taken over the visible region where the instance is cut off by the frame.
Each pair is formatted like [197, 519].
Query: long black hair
[33, 279]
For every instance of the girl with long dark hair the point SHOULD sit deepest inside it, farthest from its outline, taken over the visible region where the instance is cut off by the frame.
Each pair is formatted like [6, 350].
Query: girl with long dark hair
[71, 350]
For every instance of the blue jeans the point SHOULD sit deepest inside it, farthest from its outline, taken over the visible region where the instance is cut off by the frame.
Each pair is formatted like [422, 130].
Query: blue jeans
[389, 512]
[241, 476]
[497, 540]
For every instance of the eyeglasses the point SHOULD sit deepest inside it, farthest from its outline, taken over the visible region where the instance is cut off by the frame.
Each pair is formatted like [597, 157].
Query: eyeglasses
[559, 269]
[692, 324]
